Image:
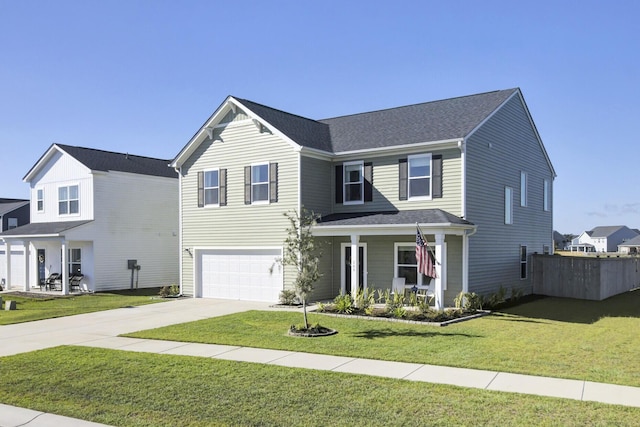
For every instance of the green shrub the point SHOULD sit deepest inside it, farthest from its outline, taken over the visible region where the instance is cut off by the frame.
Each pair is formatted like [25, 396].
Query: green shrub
[466, 301]
[288, 297]
[343, 304]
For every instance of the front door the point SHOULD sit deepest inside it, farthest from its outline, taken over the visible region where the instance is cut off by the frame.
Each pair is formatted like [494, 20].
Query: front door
[42, 274]
[346, 268]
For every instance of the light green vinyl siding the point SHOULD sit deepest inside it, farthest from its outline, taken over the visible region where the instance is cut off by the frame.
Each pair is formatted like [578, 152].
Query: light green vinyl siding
[237, 224]
[315, 181]
[496, 154]
[385, 186]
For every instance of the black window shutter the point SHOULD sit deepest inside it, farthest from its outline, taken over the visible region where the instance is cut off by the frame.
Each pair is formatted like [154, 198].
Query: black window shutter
[200, 189]
[436, 174]
[368, 182]
[223, 187]
[273, 182]
[339, 184]
[402, 182]
[247, 185]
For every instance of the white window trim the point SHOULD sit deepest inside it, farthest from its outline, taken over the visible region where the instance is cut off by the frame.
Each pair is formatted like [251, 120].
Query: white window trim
[412, 245]
[523, 189]
[430, 176]
[38, 200]
[261, 202]
[344, 183]
[508, 205]
[546, 186]
[68, 200]
[204, 188]
[525, 262]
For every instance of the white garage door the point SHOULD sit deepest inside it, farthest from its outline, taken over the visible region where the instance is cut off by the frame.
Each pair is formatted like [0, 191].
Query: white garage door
[242, 274]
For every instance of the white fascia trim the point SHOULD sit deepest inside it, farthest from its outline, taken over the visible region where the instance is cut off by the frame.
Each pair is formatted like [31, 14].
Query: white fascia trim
[390, 229]
[46, 157]
[315, 153]
[236, 248]
[397, 149]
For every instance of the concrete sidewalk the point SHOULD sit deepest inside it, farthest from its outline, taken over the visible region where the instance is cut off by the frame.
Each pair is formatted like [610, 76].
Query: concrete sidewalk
[101, 329]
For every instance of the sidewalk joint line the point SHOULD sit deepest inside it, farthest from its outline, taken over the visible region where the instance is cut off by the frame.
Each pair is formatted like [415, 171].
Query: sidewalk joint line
[492, 379]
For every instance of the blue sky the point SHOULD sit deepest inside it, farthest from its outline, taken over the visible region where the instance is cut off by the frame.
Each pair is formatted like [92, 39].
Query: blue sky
[141, 76]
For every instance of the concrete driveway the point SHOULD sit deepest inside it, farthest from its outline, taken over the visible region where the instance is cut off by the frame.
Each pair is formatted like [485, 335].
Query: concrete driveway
[84, 328]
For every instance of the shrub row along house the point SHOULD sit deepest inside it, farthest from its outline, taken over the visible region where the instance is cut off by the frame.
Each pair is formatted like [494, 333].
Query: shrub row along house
[471, 172]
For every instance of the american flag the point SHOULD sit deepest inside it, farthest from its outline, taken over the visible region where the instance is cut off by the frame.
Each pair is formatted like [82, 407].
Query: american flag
[424, 257]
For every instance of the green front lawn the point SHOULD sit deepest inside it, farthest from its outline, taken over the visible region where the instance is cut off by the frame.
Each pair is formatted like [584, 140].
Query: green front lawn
[38, 308]
[586, 340]
[137, 389]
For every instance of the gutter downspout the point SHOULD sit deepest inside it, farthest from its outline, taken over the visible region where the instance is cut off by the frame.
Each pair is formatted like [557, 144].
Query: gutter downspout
[180, 252]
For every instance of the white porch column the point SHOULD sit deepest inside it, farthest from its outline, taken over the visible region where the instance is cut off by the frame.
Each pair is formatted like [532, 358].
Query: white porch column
[7, 259]
[465, 263]
[441, 270]
[65, 269]
[27, 251]
[355, 263]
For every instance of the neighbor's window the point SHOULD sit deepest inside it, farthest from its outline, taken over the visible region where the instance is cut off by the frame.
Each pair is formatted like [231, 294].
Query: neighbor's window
[68, 200]
[508, 205]
[546, 195]
[523, 188]
[40, 200]
[353, 182]
[12, 223]
[212, 188]
[75, 261]
[419, 177]
[260, 183]
[523, 262]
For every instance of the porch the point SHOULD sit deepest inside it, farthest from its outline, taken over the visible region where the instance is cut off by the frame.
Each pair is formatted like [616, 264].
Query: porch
[371, 249]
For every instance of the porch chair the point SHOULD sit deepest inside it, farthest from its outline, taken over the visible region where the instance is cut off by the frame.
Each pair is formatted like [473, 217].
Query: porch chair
[397, 285]
[74, 281]
[52, 281]
[427, 293]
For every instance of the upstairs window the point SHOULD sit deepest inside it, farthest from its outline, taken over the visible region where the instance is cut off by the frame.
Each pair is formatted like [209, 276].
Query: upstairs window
[419, 179]
[40, 200]
[523, 189]
[212, 188]
[261, 183]
[546, 196]
[508, 205]
[353, 182]
[68, 200]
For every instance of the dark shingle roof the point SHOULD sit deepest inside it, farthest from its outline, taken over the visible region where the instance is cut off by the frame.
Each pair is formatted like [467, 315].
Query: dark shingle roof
[605, 231]
[423, 216]
[10, 205]
[109, 161]
[431, 121]
[43, 228]
[303, 131]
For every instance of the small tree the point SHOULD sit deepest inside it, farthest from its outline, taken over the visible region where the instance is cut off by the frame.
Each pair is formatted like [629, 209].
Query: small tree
[301, 252]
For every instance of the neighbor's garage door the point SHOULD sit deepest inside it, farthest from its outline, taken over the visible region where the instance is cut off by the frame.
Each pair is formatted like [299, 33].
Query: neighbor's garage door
[242, 274]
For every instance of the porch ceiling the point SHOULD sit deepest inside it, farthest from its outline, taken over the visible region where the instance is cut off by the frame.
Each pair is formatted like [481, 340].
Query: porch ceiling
[392, 222]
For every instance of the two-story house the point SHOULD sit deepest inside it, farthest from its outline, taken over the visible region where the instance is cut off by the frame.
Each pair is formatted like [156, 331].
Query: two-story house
[603, 238]
[13, 213]
[471, 172]
[111, 218]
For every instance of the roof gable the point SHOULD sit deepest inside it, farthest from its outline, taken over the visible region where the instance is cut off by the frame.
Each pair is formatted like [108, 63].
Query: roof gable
[10, 205]
[100, 160]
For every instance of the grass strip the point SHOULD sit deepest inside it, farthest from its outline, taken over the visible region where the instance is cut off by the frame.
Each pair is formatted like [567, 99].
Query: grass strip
[138, 389]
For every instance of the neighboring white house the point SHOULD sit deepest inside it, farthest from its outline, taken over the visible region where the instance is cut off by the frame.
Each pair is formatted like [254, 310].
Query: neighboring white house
[110, 217]
[603, 239]
[631, 246]
[13, 213]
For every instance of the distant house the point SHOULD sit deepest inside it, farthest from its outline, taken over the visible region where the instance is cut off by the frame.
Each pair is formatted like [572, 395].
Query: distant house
[631, 246]
[111, 218]
[603, 239]
[471, 171]
[560, 242]
[13, 213]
